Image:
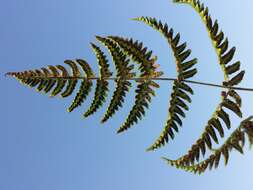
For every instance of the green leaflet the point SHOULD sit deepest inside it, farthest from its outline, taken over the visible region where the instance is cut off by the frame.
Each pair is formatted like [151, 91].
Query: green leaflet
[45, 73]
[225, 153]
[33, 81]
[102, 85]
[215, 122]
[233, 94]
[70, 88]
[52, 81]
[85, 67]
[212, 133]
[71, 82]
[225, 117]
[174, 121]
[233, 68]
[123, 70]
[102, 62]
[135, 50]
[84, 91]
[85, 87]
[138, 54]
[143, 96]
[99, 97]
[179, 50]
[57, 80]
[225, 59]
[232, 106]
[205, 141]
[189, 64]
[122, 87]
[60, 82]
[220, 42]
[235, 80]
[235, 141]
[180, 89]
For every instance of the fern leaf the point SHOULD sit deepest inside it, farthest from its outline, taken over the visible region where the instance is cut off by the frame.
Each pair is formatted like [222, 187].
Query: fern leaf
[233, 68]
[31, 82]
[233, 94]
[43, 83]
[82, 94]
[99, 97]
[122, 87]
[224, 117]
[123, 71]
[135, 50]
[52, 81]
[73, 82]
[220, 43]
[142, 98]
[139, 54]
[232, 106]
[235, 141]
[180, 89]
[235, 80]
[102, 62]
[85, 87]
[86, 68]
[213, 127]
[102, 85]
[61, 82]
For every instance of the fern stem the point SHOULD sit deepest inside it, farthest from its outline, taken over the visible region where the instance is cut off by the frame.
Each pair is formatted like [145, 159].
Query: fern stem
[154, 79]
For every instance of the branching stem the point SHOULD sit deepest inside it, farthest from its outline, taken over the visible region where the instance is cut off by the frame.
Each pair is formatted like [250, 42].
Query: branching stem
[154, 79]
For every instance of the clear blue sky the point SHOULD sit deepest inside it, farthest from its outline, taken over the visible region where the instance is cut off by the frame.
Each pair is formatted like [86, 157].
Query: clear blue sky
[44, 147]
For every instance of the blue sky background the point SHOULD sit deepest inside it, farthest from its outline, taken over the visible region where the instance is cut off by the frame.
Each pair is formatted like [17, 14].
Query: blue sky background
[44, 147]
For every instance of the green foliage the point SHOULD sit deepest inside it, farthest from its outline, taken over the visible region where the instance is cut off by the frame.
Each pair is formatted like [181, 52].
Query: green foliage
[236, 141]
[180, 88]
[85, 86]
[123, 69]
[57, 80]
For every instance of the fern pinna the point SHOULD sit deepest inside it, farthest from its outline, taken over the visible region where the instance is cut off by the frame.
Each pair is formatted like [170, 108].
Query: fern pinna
[58, 80]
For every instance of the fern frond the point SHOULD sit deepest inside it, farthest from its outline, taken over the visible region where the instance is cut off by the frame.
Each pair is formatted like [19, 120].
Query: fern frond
[85, 86]
[177, 109]
[211, 130]
[99, 97]
[61, 82]
[220, 43]
[101, 90]
[52, 82]
[180, 52]
[138, 53]
[181, 90]
[31, 82]
[71, 83]
[235, 142]
[58, 80]
[123, 70]
[44, 81]
[236, 97]
[142, 98]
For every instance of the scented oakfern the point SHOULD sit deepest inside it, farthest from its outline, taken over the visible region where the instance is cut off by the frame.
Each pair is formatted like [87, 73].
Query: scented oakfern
[60, 81]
